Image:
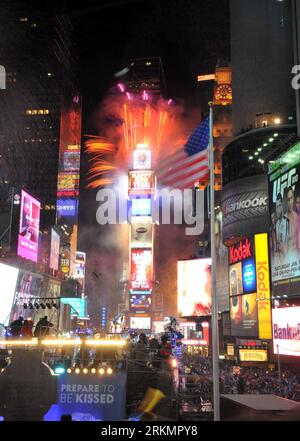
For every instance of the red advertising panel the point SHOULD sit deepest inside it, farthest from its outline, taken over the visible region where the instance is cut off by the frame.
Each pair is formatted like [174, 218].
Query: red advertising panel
[194, 287]
[28, 240]
[286, 331]
[141, 269]
[140, 182]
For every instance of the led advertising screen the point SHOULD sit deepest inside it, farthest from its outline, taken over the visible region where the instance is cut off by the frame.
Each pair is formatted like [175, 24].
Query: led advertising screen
[286, 331]
[141, 234]
[71, 161]
[140, 183]
[194, 287]
[66, 208]
[141, 207]
[8, 277]
[284, 209]
[140, 322]
[244, 315]
[253, 355]
[140, 302]
[249, 275]
[28, 241]
[54, 251]
[141, 269]
[68, 181]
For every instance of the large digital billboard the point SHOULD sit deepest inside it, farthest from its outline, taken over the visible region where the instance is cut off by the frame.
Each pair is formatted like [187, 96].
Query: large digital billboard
[28, 241]
[245, 207]
[248, 284]
[8, 278]
[253, 355]
[284, 209]
[141, 269]
[286, 331]
[140, 302]
[54, 250]
[194, 287]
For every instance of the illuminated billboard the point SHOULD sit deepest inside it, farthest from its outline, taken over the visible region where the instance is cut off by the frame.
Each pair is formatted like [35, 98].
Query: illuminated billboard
[286, 331]
[141, 234]
[253, 355]
[71, 161]
[244, 315]
[68, 181]
[78, 305]
[194, 287]
[54, 250]
[142, 159]
[141, 207]
[66, 208]
[248, 284]
[263, 286]
[140, 183]
[141, 269]
[140, 302]
[8, 277]
[284, 210]
[28, 241]
[140, 322]
[80, 269]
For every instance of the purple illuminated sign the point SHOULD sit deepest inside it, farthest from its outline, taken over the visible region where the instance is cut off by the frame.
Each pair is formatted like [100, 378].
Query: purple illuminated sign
[29, 227]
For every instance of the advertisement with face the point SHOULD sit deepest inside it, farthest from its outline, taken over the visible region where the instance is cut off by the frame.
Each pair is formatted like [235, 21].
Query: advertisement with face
[284, 197]
[286, 331]
[29, 227]
[194, 287]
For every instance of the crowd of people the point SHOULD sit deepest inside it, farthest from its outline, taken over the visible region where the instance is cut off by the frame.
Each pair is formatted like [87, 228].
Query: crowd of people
[241, 380]
[25, 328]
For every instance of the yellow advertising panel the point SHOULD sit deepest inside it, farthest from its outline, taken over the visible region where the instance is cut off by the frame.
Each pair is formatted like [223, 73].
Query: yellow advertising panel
[253, 355]
[263, 286]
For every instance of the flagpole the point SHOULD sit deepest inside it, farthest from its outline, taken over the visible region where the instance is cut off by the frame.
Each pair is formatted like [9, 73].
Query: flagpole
[214, 316]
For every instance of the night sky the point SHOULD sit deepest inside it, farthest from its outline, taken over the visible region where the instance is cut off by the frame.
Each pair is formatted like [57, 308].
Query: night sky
[190, 36]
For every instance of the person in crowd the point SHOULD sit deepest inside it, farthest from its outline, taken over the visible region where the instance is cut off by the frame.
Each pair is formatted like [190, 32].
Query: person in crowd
[42, 327]
[141, 352]
[26, 330]
[293, 219]
[282, 228]
[16, 327]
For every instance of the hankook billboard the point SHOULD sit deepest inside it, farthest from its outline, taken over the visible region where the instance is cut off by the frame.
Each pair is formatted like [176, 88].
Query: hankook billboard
[245, 207]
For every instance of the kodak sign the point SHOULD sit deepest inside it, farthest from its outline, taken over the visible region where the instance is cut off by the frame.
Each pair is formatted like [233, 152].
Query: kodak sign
[263, 286]
[239, 252]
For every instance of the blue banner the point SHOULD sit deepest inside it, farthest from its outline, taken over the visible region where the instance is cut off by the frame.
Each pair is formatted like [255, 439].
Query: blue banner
[90, 397]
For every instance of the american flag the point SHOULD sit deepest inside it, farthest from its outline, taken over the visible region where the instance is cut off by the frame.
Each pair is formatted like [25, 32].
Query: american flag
[189, 164]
